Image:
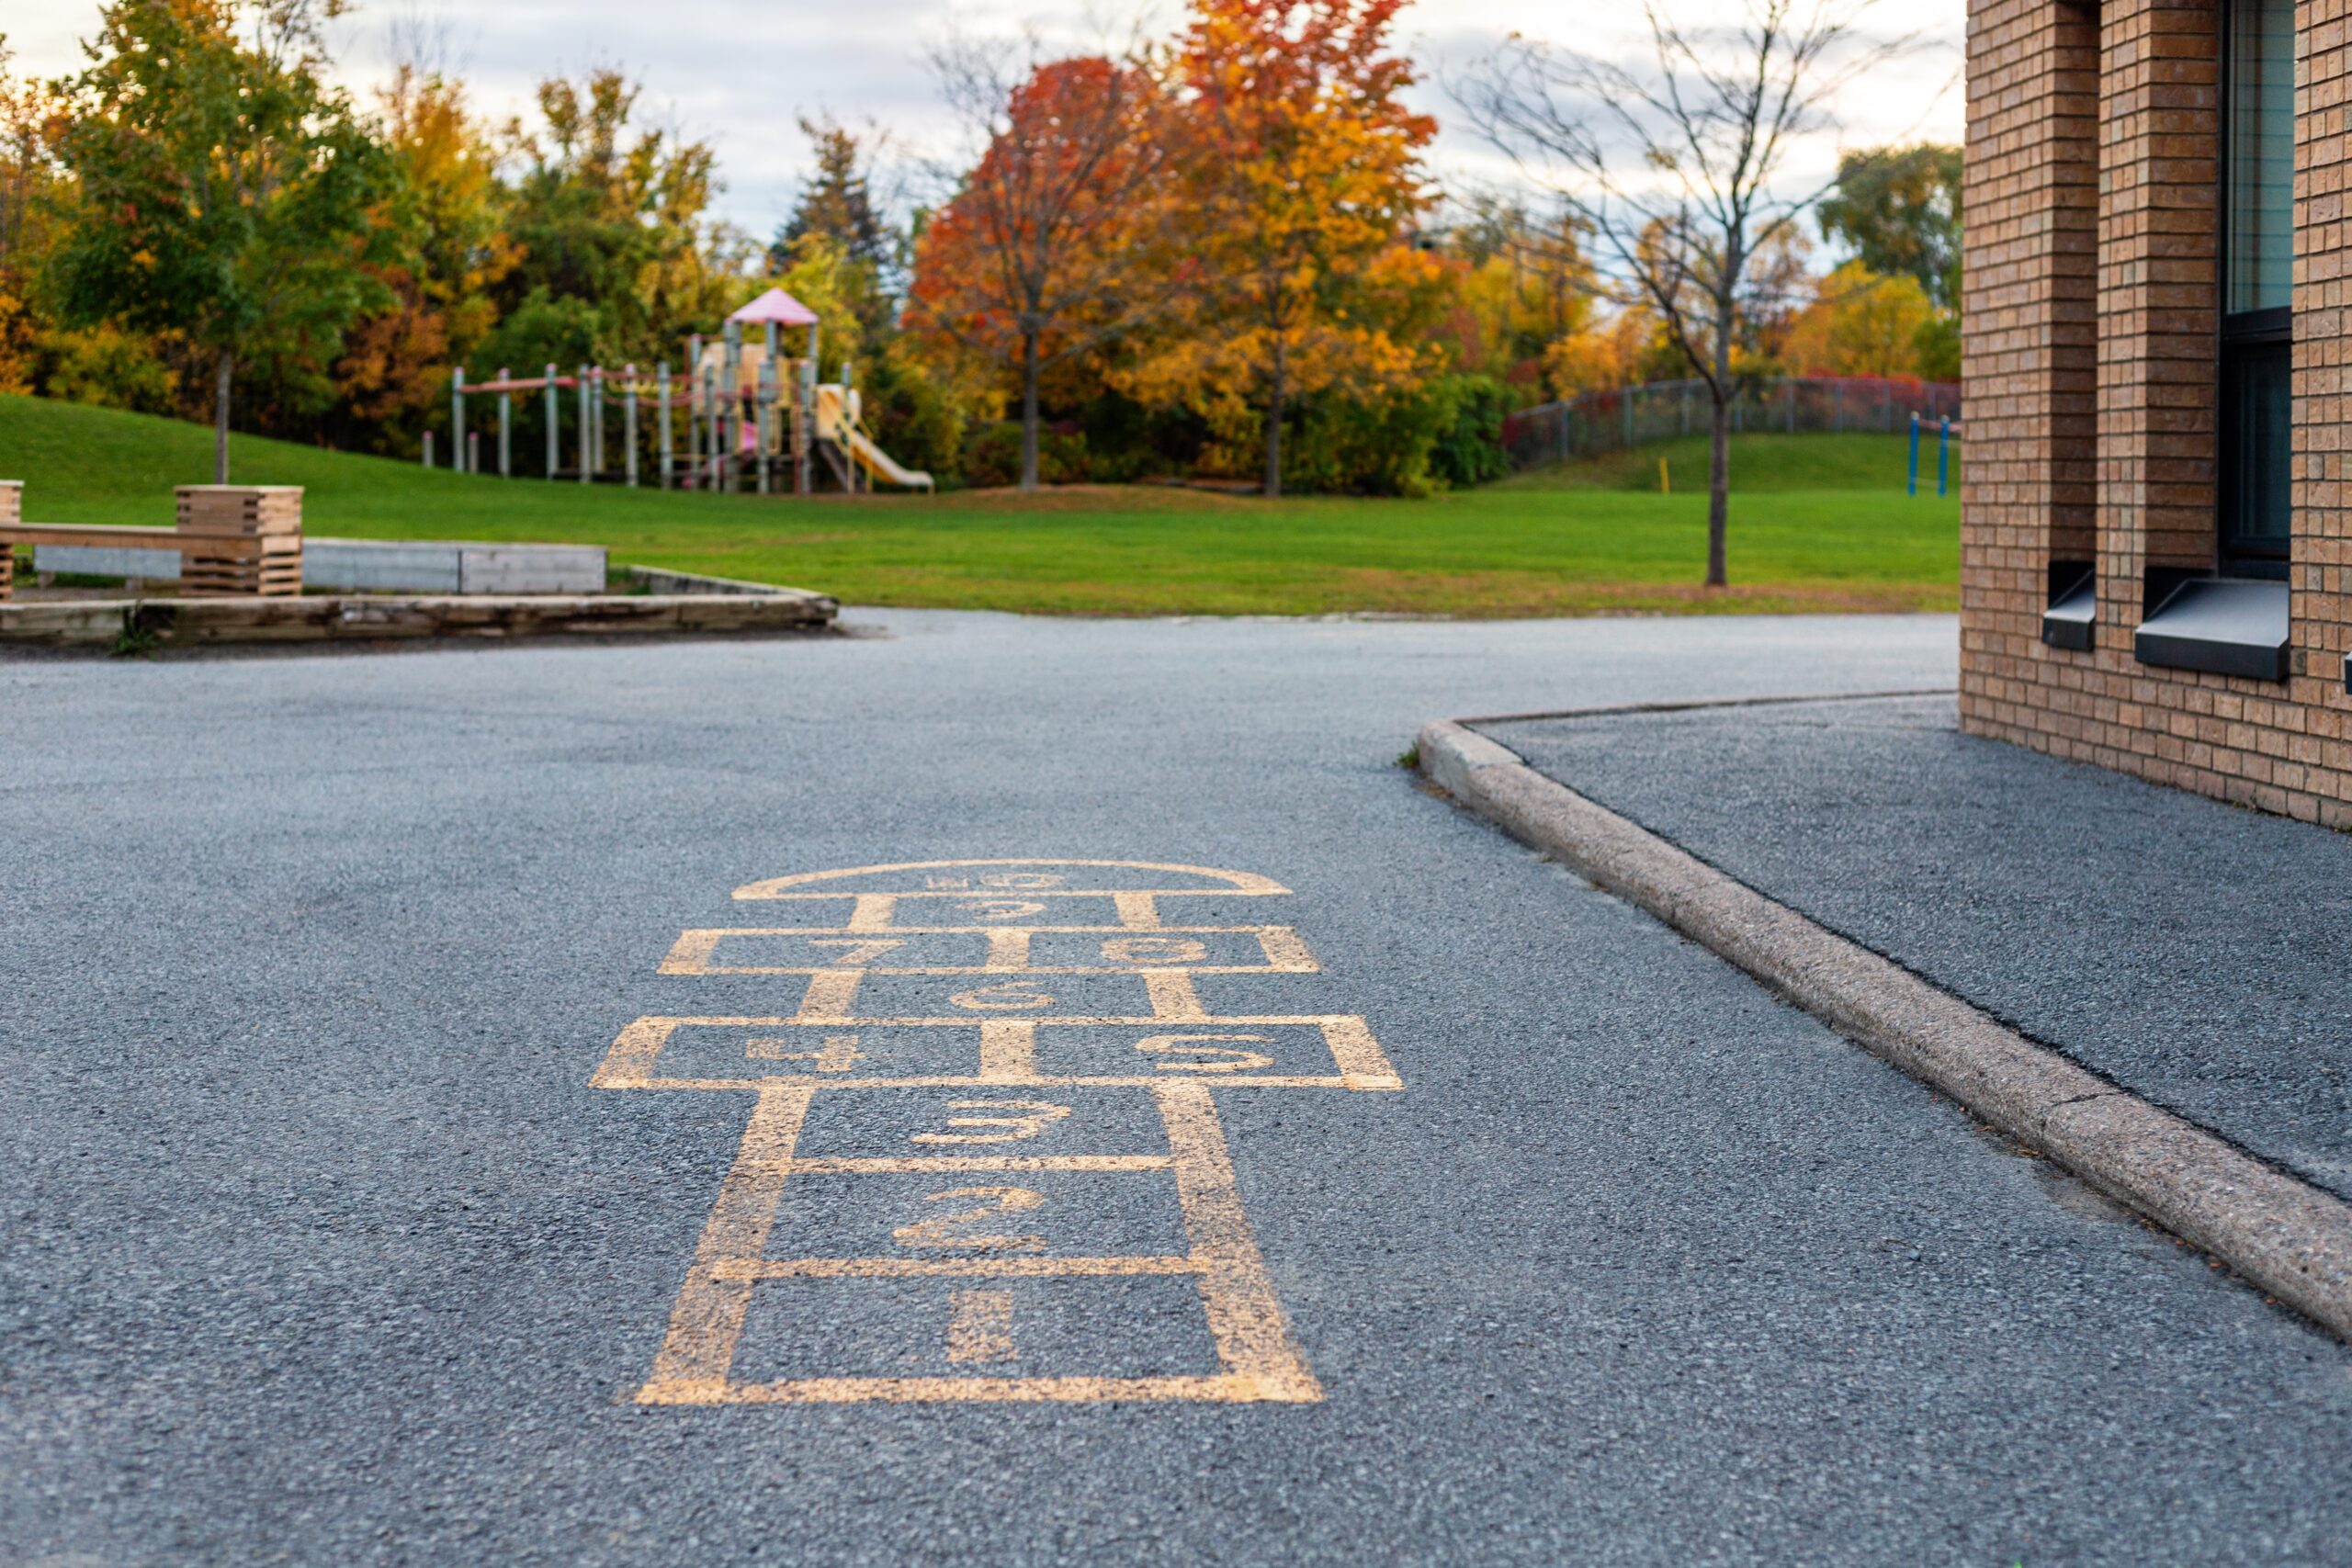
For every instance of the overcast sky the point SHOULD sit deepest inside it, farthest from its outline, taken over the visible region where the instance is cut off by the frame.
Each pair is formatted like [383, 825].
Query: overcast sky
[739, 73]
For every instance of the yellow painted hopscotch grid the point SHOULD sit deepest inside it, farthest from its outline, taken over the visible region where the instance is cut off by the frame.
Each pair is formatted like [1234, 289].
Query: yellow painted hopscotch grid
[1257, 1360]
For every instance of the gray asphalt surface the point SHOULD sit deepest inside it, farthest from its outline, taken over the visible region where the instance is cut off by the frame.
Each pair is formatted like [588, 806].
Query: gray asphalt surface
[2196, 952]
[320, 1248]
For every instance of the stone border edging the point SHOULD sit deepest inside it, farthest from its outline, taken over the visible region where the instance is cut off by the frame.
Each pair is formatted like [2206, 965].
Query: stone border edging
[2291, 1238]
[661, 579]
[102, 622]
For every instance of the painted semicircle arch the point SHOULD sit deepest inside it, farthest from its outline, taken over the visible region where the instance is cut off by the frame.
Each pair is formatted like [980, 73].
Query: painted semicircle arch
[1210, 878]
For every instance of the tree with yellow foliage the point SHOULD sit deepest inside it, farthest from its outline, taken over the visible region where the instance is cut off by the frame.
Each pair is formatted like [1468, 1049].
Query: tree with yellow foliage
[1860, 323]
[1299, 185]
[1526, 284]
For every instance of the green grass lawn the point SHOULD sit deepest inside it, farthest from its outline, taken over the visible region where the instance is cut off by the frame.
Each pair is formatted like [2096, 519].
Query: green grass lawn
[1819, 522]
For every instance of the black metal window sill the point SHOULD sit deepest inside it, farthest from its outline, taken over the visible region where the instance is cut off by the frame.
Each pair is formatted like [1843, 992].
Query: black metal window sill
[2074, 609]
[2224, 626]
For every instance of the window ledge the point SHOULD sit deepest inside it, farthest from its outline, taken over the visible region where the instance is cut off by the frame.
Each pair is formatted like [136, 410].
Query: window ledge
[2223, 625]
[2071, 613]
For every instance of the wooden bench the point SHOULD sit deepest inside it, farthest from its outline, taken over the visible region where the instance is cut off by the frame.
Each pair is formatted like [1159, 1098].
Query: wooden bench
[232, 540]
[197, 550]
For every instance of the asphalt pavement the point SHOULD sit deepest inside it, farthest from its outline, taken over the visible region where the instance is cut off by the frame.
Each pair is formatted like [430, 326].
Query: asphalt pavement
[322, 1246]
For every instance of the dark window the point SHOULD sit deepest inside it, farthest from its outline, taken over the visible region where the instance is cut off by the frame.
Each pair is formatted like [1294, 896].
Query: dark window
[2257, 277]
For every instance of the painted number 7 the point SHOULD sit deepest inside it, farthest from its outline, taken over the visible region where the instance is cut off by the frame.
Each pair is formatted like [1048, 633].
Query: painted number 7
[861, 950]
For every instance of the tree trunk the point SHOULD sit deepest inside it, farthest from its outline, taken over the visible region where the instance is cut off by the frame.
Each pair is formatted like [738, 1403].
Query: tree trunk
[1718, 486]
[1719, 443]
[1278, 394]
[1029, 409]
[221, 374]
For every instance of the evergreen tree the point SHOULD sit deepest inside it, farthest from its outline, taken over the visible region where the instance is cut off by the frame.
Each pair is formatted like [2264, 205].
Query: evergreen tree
[837, 205]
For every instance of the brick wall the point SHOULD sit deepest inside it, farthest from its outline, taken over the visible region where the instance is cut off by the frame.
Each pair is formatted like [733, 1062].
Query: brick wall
[2029, 339]
[2322, 548]
[2159, 279]
[2281, 746]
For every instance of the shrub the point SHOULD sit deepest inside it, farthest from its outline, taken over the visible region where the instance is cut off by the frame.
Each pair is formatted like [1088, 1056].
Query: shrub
[1469, 449]
[992, 457]
[1365, 446]
[914, 418]
[1446, 430]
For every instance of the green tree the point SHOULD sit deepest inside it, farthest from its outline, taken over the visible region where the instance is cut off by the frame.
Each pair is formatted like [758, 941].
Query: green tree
[1898, 207]
[618, 256]
[221, 188]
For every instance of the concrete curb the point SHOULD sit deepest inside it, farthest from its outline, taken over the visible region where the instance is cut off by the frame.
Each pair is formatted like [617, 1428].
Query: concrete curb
[2292, 1239]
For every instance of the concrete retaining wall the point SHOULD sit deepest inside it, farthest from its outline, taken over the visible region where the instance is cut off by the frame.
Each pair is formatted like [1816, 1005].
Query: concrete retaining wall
[93, 560]
[380, 566]
[443, 566]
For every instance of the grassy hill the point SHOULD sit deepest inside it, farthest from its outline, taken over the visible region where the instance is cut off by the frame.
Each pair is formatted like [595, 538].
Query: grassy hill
[1819, 522]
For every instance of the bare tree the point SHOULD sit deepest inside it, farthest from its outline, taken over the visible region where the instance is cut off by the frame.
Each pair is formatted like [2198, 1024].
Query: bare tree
[1675, 164]
[1043, 250]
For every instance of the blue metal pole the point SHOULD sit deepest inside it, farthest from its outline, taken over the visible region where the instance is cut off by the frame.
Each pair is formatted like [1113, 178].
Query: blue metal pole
[1943, 445]
[1914, 452]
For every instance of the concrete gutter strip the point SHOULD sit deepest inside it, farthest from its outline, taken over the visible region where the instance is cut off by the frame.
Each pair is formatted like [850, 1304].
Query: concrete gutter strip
[2291, 1238]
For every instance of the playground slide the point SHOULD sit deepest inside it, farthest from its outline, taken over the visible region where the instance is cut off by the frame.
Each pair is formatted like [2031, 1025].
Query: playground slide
[882, 465]
[832, 426]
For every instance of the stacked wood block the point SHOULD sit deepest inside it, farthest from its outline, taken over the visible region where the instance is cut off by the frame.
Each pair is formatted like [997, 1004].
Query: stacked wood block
[12, 506]
[265, 521]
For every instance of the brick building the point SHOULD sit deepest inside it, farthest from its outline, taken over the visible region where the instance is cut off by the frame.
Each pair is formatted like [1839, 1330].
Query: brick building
[2156, 499]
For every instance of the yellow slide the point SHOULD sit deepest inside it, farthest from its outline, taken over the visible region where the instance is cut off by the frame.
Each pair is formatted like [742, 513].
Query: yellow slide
[832, 426]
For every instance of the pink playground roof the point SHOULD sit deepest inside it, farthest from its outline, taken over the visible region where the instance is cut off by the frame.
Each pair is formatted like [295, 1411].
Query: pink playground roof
[775, 306]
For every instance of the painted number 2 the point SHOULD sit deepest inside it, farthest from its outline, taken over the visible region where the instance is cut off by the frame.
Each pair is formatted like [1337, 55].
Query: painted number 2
[951, 1230]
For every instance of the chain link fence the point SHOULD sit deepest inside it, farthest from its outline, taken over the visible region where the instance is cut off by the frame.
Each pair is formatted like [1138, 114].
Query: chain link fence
[1616, 418]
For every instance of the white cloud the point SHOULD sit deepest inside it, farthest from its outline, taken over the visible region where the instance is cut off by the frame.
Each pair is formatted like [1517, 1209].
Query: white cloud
[740, 73]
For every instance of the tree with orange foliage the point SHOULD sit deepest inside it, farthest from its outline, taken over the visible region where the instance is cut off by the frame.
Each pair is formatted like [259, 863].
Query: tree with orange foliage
[27, 214]
[1043, 252]
[395, 369]
[1300, 180]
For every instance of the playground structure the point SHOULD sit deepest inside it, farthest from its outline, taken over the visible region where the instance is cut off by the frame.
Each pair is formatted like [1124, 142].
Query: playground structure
[754, 420]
